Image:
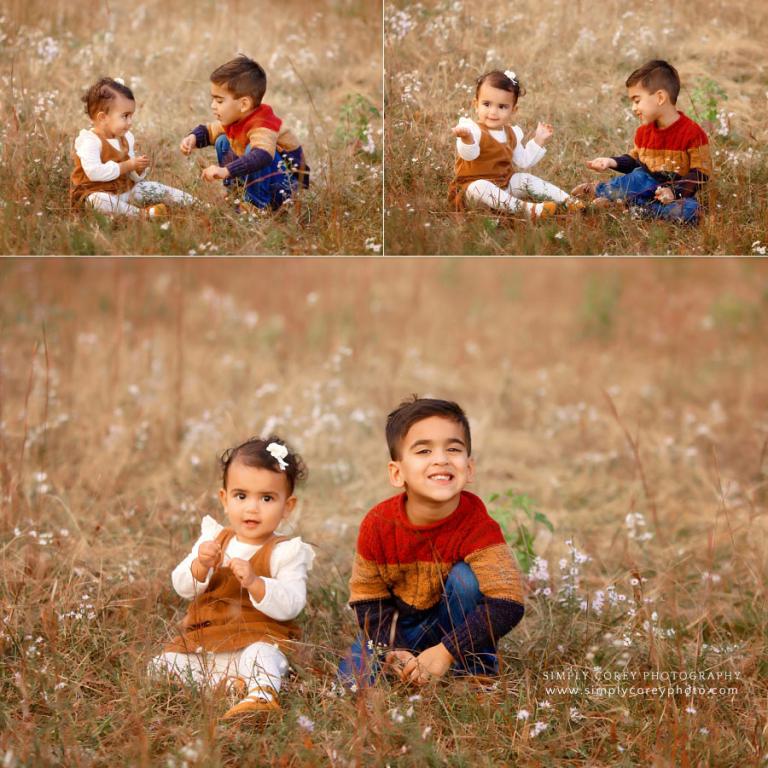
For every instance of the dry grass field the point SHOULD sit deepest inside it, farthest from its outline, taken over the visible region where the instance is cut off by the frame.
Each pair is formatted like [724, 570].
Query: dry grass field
[573, 59]
[323, 62]
[623, 400]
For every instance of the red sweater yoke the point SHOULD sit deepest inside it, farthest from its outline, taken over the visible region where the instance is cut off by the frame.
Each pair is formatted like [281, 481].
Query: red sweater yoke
[395, 557]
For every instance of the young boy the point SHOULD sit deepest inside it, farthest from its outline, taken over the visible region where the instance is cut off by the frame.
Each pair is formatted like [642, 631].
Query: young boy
[252, 146]
[670, 160]
[433, 579]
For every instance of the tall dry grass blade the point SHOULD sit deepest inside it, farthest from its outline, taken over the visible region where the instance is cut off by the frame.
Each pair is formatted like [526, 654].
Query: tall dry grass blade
[634, 445]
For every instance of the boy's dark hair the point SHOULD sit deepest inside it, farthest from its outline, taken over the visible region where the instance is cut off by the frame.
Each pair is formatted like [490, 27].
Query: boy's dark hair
[417, 409]
[98, 97]
[657, 75]
[253, 453]
[497, 79]
[242, 77]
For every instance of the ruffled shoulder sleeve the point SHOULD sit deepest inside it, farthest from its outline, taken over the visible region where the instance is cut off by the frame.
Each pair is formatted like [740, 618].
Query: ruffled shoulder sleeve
[209, 528]
[293, 552]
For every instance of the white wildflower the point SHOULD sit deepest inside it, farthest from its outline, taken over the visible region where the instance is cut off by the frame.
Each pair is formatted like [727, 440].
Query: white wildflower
[305, 723]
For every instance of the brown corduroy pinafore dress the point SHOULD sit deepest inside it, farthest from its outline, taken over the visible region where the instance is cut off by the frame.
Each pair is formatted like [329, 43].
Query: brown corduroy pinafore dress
[494, 164]
[81, 186]
[223, 618]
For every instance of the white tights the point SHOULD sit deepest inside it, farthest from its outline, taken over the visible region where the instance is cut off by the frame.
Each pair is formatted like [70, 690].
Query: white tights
[143, 193]
[261, 665]
[486, 193]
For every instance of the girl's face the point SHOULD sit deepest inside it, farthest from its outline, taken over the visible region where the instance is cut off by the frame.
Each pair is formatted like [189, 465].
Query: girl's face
[256, 500]
[117, 121]
[495, 107]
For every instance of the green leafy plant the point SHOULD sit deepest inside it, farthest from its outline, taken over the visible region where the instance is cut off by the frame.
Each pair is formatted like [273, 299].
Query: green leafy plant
[518, 518]
[706, 96]
[355, 116]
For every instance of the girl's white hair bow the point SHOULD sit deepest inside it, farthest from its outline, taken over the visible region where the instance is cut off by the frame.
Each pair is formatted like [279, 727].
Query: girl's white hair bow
[511, 75]
[278, 452]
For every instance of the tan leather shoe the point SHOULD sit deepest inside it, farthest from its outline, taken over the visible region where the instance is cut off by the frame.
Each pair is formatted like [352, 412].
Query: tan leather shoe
[548, 210]
[159, 211]
[574, 204]
[253, 704]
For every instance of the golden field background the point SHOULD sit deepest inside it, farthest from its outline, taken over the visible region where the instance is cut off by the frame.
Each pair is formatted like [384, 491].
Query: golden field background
[323, 62]
[122, 380]
[573, 59]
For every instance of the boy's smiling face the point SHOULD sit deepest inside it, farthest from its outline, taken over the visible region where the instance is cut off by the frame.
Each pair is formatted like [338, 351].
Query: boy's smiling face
[227, 107]
[647, 106]
[433, 464]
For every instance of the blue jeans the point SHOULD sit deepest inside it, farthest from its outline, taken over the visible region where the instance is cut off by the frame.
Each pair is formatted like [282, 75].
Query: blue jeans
[638, 188]
[423, 629]
[269, 187]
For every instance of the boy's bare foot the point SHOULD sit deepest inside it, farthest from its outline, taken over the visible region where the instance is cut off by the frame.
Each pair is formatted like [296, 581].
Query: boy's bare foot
[604, 203]
[587, 189]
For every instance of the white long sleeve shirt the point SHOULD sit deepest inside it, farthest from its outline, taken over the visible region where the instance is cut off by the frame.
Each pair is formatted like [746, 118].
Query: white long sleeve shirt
[88, 149]
[285, 592]
[522, 156]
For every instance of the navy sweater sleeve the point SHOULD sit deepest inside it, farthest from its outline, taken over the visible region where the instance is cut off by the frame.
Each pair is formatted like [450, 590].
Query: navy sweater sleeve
[255, 160]
[690, 184]
[484, 626]
[626, 163]
[375, 619]
[200, 133]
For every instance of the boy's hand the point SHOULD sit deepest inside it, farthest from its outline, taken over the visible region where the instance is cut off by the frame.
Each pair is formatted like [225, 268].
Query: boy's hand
[434, 662]
[664, 195]
[188, 143]
[140, 163]
[243, 571]
[464, 133]
[213, 172]
[209, 554]
[601, 163]
[543, 133]
[397, 660]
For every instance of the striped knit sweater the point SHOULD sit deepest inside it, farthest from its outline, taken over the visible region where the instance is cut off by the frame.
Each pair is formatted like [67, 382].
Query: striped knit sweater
[264, 131]
[402, 567]
[677, 155]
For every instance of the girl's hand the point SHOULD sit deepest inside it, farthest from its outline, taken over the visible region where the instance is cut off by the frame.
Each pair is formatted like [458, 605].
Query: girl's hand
[601, 163]
[213, 172]
[188, 143]
[462, 132]
[140, 163]
[243, 571]
[543, 133]
[434, 662]
[209, 554]
[664, 195]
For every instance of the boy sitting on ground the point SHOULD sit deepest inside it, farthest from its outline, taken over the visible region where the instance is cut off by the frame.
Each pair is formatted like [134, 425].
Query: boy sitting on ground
[253, 147]
[670, 160]
[433, 581]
